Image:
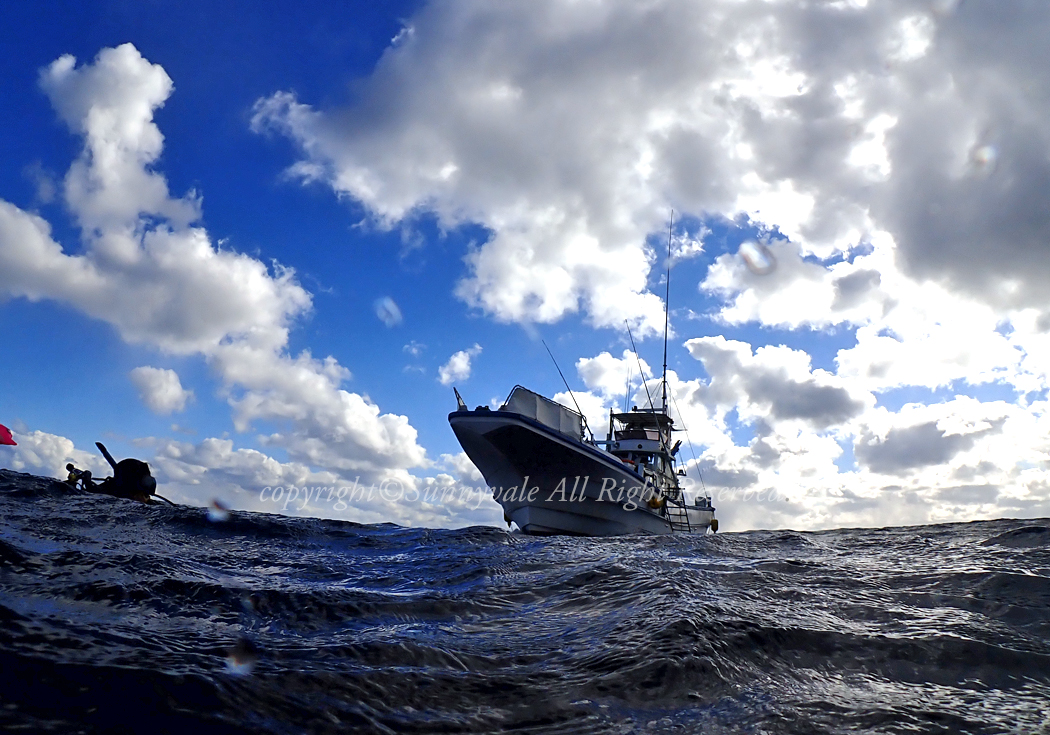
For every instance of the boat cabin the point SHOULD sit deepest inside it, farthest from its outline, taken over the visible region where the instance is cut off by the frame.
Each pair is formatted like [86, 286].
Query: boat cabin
[642, 438]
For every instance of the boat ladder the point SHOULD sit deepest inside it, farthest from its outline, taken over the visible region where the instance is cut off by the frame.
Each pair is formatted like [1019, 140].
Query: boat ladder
[677, 516]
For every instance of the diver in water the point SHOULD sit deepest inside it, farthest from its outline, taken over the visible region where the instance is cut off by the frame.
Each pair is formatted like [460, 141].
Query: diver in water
[131, 479]
[76, 476]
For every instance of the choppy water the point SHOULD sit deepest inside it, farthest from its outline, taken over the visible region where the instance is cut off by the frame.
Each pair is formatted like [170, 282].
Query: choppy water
[116, 616]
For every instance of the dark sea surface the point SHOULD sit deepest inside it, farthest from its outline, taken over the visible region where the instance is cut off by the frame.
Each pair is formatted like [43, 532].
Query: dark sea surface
[116, 616]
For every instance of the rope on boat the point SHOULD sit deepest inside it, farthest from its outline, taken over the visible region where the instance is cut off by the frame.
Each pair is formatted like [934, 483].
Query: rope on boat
[689, 441]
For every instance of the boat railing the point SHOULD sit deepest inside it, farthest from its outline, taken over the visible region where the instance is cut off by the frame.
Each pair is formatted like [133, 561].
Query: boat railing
[549, 413]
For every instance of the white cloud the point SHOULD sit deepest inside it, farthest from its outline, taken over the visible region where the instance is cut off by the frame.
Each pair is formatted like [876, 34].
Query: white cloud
[612, 376]
[462, 468]
[941, 462]
[160, 389]
[594, 409]
[774, 384]
[821, 119]
[246, 479]
[161, 281]
[458, 366]
[111, 103]
[41, 453]
[908, 332]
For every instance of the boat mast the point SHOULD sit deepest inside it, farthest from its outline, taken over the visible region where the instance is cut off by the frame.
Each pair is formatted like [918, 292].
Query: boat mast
[667, 297]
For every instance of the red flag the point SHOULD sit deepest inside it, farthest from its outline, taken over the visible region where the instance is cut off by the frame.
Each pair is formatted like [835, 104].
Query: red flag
[6, 438]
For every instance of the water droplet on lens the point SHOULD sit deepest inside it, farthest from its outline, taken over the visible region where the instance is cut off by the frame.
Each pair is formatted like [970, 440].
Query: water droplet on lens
[241, 659]
[218, 511]
[388, 311]
[983, 158]
[944, 8]
[758, 257]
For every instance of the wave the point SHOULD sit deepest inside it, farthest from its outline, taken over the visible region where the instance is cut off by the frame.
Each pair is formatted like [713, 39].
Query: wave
[156, 617]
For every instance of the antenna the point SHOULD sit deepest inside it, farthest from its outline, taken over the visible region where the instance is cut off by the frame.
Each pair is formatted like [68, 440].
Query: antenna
[667, 308]
[568, 389]
[640, 371]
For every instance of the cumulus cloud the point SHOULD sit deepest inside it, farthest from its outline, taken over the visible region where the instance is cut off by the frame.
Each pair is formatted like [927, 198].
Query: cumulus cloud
[613, 376]
[907, 332]
[160, 389]
[909, 447]
[927, 436]
[246, 479]
[594, 408]
[41, 453]
[718, 476]
[164, 284]
[147, 269]
[111, 103]
[774, 383]
[463, 468]
[940, 462]
[842, 126]
[825, 120]
[235, 475]
[458, 366]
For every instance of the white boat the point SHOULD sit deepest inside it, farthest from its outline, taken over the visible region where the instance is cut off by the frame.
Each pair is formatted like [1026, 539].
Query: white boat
[551, 478]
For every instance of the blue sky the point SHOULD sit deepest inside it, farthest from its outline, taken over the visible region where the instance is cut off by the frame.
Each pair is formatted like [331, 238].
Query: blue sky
[199, 214]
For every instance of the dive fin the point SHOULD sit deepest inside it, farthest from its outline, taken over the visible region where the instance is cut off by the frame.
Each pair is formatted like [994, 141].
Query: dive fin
[107, 455]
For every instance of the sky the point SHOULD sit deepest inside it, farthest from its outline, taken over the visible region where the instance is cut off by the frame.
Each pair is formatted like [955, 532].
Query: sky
[259, 249]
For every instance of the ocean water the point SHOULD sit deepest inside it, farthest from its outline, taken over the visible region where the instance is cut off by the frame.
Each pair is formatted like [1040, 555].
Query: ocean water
[117, 617]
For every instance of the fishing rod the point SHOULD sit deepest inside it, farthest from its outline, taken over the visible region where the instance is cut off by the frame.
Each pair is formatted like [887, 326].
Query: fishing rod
[571, 394]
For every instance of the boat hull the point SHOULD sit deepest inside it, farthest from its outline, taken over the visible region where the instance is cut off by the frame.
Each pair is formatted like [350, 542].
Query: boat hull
[550, 483]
